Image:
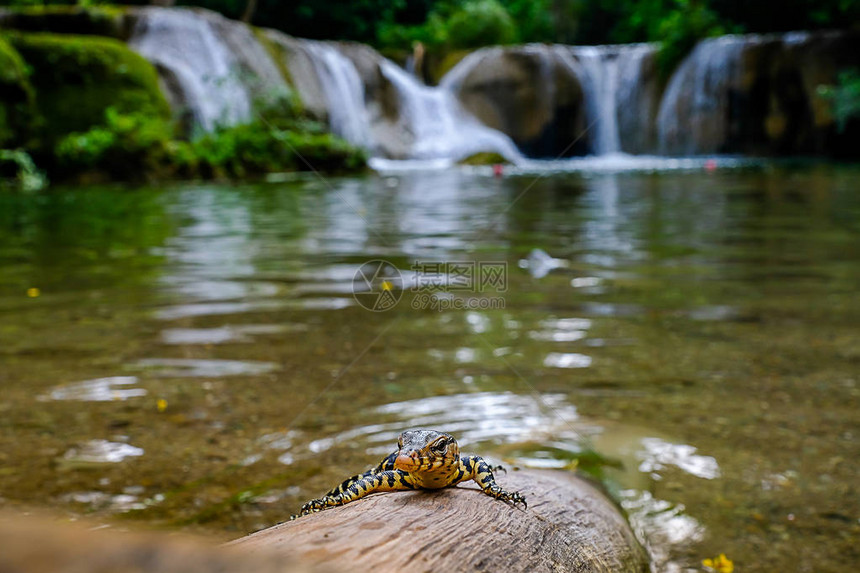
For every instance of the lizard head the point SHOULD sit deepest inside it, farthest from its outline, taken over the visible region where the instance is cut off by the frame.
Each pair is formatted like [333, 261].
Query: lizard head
[426, 450]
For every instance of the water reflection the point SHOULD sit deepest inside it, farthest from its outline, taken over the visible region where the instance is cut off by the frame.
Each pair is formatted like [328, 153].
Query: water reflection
[101, 501]
[203, 368]
[226, 334]
[664, 527]
[658, 454]
[99, 452]
[567, 360]
[672, 293]
[222, 308]
[98, 390]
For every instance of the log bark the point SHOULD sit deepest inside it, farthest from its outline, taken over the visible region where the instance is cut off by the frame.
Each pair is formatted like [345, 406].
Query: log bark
[568, 526]
[50, 545]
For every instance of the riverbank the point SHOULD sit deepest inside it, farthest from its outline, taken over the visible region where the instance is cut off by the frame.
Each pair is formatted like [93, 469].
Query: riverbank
[86, 107]
[109, 93]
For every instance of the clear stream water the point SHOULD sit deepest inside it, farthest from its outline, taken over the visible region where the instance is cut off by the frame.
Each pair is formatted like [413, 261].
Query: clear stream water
[193, 356]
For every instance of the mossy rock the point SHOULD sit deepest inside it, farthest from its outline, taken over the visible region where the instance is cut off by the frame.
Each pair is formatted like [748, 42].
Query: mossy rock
[440, 64]
[16, 97]
[92, 20]
[484, 158]
[76, 78]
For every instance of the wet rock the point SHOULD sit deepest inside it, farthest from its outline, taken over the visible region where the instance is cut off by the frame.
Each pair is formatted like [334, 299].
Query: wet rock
[530, 93]
[758, 95]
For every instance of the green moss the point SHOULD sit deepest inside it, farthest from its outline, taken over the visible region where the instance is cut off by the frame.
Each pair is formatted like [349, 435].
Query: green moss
[442, 64]
[76, 78]
[484, 158]
[136, 146]
[16, 97]
[276, 53]
[132, 146]
[86, 20]
[259, 147]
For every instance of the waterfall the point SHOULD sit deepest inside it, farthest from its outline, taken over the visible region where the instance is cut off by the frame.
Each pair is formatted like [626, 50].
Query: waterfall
[343, 91]
[438, 125]
[722, 97]
[611, 78]
[599, 79]
[695, 113]
[184, 45]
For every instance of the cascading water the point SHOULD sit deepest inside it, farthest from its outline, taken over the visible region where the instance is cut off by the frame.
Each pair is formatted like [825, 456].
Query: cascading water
[344, 93]
[599, 79]
[542, 96]
[694, 115]
[440, 128]
[611, 79]
[185, 44]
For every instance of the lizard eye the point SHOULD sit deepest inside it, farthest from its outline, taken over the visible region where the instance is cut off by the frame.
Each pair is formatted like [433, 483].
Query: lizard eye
[440, 447]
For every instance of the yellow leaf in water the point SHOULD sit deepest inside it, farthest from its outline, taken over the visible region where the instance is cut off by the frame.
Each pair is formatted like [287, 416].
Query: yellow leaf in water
[721, 564]
[33, 292]
[161, 404]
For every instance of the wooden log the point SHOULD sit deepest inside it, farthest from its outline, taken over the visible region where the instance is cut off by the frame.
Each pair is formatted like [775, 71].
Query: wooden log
[49, 545]
[569, 526]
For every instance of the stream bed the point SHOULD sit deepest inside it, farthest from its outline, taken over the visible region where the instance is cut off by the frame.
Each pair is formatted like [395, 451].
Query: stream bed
[208, 357]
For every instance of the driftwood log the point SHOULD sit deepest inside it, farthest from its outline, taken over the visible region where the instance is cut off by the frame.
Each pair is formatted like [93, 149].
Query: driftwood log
[48, 544]
[569, 526]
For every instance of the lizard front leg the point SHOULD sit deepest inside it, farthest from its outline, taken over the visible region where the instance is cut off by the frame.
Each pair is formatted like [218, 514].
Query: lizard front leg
[477, 469]
[358, 487]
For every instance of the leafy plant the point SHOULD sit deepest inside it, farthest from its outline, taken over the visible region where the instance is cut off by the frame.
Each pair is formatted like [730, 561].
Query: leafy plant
[125, 144]
[681, 29]
[480, 23]
[844, 97]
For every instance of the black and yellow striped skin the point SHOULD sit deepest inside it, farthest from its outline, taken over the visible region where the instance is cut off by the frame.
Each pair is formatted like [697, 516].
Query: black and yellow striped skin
[425, 459]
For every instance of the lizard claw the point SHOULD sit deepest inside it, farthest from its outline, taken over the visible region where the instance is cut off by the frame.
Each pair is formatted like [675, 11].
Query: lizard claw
[316, 505]
[514, 498]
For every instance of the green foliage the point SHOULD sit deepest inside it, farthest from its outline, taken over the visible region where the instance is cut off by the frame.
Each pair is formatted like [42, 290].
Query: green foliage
[534, 19]
[125, 146]
[137, 146]
[16, 96]
[681, 29]
[261, 147]
[432, 33]
[844, 97]
[83, 18]
[76, 78]
[480, 23]
[399, 23]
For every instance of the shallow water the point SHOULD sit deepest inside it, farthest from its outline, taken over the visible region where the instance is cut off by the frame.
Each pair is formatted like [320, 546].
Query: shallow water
[194, 357]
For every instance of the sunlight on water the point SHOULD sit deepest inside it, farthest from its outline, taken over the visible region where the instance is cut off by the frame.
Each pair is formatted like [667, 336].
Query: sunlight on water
[568, 360]
[98, 390]
[663, 526]
[245, 333]
[209, 309]
[203, 368]
[659, 454]
[100, 452]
